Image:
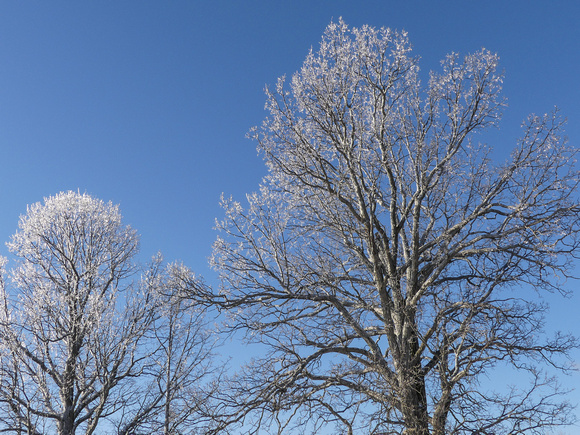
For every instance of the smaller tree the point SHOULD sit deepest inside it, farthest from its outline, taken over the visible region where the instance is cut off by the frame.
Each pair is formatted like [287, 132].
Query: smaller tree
[82, 339]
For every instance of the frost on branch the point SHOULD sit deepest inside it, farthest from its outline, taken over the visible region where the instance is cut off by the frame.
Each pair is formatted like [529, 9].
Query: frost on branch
[88, 346]
[387, 263]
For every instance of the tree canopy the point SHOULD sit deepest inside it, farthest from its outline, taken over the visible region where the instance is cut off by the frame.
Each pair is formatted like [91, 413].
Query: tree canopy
[89, 341]
[388, 263]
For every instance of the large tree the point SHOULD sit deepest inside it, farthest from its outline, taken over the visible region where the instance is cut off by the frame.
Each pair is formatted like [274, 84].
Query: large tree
[86, 345]
[388, 263]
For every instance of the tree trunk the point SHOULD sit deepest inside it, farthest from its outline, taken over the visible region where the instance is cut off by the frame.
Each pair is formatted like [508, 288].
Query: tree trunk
[412, 382]
[414, 404]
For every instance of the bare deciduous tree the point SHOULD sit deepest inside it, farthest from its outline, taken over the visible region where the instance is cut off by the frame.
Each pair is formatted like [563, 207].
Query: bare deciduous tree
[387, 263]
[84, 342]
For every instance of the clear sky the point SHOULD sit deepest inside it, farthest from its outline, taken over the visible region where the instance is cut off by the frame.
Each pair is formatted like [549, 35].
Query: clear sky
[147, 103]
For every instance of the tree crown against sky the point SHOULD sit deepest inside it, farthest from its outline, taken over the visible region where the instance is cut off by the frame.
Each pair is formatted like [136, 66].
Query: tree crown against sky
[91, 342]
[388, 263]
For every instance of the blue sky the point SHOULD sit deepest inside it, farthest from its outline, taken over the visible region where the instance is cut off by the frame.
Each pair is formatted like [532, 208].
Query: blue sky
[147, 103]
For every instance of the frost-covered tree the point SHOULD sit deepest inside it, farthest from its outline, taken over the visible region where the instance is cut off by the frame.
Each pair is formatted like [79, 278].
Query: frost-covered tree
[80, 331]
[388, 264]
